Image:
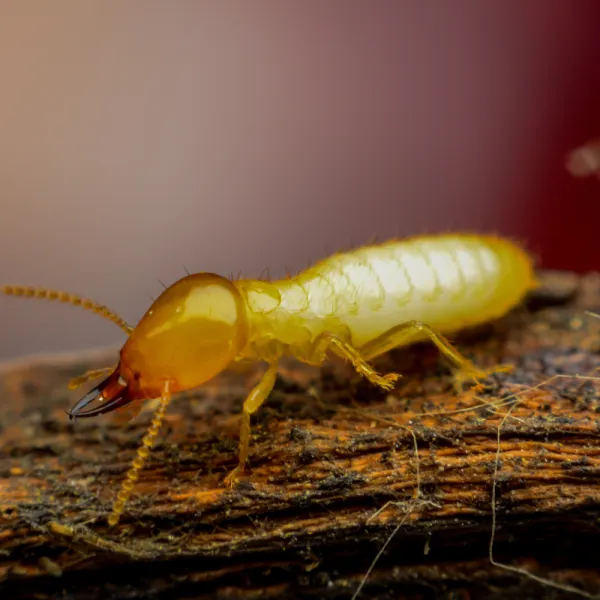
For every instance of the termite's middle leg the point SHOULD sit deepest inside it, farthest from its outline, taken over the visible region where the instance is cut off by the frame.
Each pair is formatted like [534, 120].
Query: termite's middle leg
[405, 332]
[252, 403]
[328, 341]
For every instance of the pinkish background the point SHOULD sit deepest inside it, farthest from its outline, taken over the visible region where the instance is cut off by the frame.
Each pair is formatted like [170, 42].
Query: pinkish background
[140, 137]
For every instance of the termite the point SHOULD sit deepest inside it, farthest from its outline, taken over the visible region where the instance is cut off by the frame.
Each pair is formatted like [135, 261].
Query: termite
[357, 305]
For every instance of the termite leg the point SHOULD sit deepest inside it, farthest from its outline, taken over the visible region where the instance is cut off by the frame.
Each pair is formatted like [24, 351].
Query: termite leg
[466, 370]
[328, 341]
[142, 454]
[255, 399]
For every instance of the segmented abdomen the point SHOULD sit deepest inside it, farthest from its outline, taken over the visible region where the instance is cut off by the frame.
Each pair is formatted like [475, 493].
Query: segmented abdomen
[446, 281]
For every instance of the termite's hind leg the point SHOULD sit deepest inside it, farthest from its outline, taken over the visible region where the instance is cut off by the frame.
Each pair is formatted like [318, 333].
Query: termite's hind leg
[328, 341]
[402, 334]
[252, 403]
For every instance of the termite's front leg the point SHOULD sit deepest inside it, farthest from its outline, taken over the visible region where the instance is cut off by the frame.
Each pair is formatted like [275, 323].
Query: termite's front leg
[411, 330]
[252, 403]
[328, 341]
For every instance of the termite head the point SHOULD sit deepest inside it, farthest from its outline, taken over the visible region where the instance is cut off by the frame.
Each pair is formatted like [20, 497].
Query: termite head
[191, 333]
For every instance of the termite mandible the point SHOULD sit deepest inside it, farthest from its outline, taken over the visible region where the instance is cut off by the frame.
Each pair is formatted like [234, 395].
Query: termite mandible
[357, 305]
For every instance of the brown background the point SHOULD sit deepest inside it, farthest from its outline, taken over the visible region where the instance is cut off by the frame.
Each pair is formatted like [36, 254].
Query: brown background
[141, 137]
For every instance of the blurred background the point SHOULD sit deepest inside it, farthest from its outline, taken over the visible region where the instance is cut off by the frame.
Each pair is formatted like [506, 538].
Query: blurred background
[138, 138]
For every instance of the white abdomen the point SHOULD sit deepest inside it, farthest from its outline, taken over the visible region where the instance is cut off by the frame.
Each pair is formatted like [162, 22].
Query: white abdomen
[446, 281]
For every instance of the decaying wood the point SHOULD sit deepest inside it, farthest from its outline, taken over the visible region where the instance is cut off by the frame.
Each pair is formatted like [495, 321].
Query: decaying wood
[336, 467]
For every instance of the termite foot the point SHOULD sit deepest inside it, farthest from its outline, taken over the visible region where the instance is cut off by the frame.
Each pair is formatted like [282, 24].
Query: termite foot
[233, 478]
[476, 376]
[388, 381]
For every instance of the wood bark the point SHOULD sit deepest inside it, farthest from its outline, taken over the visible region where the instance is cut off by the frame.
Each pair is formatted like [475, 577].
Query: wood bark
[336, 468]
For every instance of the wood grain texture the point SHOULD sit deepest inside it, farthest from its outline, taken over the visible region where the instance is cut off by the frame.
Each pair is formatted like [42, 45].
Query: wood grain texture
[333, 473]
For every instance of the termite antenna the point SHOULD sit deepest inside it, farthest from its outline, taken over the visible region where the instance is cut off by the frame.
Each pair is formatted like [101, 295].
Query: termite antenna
[142, 454]
[67, 298]
[94, 374]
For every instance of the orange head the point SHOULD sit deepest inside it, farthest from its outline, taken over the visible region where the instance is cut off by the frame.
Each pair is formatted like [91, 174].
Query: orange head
[191, 333]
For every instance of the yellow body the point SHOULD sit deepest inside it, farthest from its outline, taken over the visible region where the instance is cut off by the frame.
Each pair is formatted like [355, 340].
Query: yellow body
[356, 305]
[446, 281]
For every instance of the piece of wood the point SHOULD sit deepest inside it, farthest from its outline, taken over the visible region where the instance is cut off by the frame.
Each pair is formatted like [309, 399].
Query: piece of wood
[337, 466]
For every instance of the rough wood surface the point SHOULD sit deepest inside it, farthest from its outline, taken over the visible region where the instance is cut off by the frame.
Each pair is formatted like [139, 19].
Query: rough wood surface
[334, 473]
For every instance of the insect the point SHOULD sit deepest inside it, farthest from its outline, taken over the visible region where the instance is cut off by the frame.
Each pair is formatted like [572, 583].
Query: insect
[356, 305]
